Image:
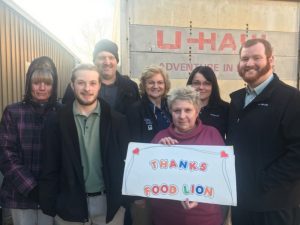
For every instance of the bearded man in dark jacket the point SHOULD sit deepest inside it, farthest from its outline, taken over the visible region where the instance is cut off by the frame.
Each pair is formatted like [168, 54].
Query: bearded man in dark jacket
[85, 148]
[264, 128]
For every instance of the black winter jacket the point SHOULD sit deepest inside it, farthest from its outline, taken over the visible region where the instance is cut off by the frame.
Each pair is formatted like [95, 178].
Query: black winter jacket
[216, 115]
[266, 139]
[62, 189]
[142, 122]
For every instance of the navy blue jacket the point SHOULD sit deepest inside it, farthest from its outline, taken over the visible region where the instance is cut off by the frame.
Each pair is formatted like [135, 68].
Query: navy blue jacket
[142, 122]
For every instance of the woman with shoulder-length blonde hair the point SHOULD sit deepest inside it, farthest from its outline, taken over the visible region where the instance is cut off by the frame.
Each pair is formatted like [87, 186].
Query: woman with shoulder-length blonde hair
[186, 129]
[150, 115]
[146, 118]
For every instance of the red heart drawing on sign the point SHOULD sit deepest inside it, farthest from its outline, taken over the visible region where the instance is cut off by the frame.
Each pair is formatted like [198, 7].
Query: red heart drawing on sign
[224, 154]
[136, 151]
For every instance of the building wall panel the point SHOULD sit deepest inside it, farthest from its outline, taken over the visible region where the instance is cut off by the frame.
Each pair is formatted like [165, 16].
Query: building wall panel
[21, 41]
[139, 23]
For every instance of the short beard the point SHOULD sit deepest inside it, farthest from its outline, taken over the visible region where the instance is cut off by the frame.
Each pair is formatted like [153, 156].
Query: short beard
[260, 72]
[85, 103]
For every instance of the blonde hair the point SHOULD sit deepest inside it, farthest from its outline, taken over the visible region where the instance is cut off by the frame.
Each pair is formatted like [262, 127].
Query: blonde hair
[185, 93]
[149, 72]
[42, 75]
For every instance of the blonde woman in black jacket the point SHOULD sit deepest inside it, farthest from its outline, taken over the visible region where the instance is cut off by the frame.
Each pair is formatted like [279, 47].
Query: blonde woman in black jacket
[146, 118]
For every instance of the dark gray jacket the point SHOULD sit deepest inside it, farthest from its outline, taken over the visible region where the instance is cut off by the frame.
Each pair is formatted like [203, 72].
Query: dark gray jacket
[266, 139]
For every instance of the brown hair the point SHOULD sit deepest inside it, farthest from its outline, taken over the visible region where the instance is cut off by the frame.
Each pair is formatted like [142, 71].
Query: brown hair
[42, 75]
[84, 66]
[251, 42]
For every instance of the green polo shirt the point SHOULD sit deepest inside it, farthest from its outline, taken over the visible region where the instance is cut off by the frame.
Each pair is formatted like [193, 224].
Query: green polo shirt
[88, 129]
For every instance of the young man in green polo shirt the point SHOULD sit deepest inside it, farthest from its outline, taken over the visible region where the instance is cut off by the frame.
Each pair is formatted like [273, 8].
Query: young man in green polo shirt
[84, 160]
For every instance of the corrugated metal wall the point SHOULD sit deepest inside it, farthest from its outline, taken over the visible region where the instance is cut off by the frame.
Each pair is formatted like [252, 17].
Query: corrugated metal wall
[20, 42]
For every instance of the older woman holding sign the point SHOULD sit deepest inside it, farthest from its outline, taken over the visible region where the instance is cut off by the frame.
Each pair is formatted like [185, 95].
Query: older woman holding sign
[184, 105]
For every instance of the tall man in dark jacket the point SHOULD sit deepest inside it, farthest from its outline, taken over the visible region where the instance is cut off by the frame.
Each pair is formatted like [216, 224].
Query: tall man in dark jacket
[264, 128]
[85, 148]
[118, 91]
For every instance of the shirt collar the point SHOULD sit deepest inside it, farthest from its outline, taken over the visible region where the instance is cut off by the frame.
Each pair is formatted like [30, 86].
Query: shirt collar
[97, 110]
[257, 90]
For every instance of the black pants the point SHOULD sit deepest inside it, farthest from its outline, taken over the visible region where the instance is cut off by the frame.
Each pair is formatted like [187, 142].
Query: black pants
[278, 217]
[127, 217]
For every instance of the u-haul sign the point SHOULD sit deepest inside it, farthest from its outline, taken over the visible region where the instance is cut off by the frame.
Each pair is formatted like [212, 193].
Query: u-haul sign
[181, 49]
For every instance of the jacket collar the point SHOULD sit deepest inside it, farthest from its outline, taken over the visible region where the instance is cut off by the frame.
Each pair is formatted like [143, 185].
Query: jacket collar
[146, 101]
[67, 119]
[238, 97]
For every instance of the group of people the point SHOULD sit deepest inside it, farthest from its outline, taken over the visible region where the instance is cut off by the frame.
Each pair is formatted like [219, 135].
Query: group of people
[63, 163]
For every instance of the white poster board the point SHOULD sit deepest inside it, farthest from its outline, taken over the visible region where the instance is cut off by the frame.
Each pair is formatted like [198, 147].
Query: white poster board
[197, 172]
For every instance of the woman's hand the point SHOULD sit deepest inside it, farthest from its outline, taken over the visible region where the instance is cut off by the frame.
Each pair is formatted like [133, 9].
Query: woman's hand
[168, 141]
[189, 204]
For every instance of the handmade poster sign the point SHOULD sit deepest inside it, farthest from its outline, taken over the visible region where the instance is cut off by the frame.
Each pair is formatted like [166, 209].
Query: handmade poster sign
[197, 172]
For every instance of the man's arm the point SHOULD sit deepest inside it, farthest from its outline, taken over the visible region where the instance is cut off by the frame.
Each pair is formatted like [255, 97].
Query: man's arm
[286, 168]
[123, 136]
[136, 92]
[134, 122]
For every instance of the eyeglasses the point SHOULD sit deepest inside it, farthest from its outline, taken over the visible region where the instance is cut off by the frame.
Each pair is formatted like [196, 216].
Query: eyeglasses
[199, 83]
